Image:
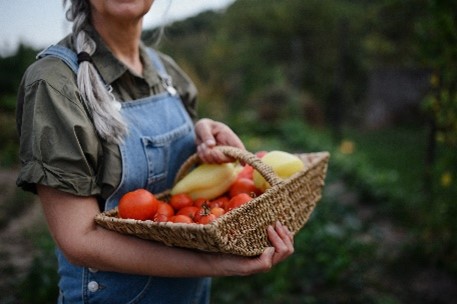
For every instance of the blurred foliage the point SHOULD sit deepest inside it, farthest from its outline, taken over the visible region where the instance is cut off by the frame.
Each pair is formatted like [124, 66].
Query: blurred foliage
[11, 70]
[256, 45]
[437, 38]
[40, 283]
[8, 138]
[436, 44]
[12, 203]
[291, 75]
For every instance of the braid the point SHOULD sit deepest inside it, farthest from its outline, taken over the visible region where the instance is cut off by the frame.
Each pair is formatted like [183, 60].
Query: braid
[98, 98]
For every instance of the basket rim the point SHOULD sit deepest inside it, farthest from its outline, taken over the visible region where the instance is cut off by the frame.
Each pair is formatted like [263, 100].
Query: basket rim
[109, 215]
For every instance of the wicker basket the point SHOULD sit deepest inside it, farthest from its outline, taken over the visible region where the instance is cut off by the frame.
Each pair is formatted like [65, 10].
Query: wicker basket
[241, 231]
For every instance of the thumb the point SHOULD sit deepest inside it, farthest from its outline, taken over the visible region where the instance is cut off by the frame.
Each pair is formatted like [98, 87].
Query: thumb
[268, 253]
[204, 133]
[266, 258]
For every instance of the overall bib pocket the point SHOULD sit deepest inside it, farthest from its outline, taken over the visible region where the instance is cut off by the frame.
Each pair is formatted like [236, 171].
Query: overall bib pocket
[158, 152]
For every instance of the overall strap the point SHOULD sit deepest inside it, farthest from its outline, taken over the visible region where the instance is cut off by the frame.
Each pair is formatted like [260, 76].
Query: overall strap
[166, 79]
[71, 59]
[157, 62]
[63, 53]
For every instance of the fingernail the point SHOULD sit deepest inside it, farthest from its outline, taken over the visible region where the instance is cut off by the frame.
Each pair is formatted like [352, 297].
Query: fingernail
[210, 142]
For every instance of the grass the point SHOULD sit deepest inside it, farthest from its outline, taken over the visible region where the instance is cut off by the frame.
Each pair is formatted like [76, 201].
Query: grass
[399, 149]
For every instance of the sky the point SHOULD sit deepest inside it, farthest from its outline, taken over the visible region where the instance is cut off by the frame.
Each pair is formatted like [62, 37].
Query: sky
[39, 23]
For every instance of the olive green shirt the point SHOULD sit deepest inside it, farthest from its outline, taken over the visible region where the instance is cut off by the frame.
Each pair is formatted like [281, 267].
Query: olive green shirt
[59, 146]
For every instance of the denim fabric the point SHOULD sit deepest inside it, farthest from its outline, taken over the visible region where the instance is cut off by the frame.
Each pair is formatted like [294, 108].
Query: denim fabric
[160, 138]
[84, 285]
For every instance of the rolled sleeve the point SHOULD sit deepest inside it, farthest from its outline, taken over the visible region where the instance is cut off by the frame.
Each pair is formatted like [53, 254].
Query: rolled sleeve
[36, 172]
[58, 144]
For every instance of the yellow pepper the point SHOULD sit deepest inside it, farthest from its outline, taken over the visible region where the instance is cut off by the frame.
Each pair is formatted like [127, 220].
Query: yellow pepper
[284, 165]
[207, 181]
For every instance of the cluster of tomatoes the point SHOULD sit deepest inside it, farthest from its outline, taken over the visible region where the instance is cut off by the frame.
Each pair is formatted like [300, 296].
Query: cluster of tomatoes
[181, 208]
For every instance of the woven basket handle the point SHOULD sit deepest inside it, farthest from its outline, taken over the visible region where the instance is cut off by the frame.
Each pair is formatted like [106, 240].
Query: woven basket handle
[241, 155]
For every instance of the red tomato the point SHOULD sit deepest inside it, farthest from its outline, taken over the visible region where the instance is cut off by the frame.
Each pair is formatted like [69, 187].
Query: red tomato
[246, 172]
[139, 204]
[181, 218]
[181, 200]
[201, 212]
[189, 211]
[207, 218]
[238, 200]
[161, 218]
[164, 212]
[226, 204]
[217, 211]
[200, 202]
[244, 185]
[219, 202]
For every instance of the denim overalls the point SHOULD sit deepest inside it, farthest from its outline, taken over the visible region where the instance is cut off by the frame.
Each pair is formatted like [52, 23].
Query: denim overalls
[160, 138]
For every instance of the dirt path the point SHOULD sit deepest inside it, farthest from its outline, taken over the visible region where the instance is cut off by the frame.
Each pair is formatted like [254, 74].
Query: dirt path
[16, 245]
[7, 182]
[17, 248]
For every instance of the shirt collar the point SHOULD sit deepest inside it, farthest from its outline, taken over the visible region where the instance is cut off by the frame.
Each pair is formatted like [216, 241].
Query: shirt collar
[109, 67]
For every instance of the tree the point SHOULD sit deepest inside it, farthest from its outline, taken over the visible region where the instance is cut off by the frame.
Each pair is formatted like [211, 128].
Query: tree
[436, 45]
[11, 70]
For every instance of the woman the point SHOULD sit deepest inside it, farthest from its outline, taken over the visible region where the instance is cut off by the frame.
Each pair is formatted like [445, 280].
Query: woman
[98, 115]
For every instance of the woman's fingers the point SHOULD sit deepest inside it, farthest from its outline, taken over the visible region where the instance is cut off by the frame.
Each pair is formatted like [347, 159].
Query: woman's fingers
[282, 240]
[282, 247]
[209, 155]
[204, 133]
[212, 133]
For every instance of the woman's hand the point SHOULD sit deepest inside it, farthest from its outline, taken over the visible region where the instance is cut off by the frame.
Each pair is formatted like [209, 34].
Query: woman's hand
[212, 133]
[283, 247]
[282, 241]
